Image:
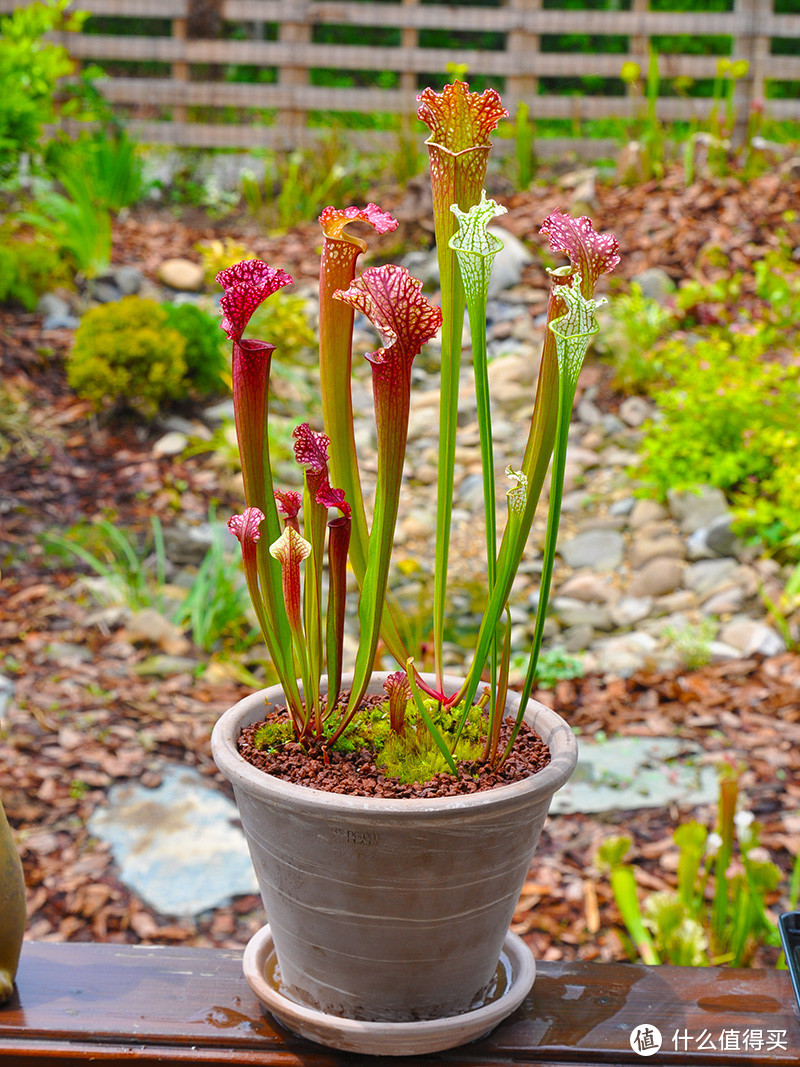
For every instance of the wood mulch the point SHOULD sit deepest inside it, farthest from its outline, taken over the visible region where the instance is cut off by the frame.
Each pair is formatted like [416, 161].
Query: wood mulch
[83, 716]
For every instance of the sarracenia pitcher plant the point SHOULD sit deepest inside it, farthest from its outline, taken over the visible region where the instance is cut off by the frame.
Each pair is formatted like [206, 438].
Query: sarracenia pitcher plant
[297, 547]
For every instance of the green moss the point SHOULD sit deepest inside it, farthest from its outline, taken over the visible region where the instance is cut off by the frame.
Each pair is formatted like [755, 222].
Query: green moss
[273, 735]
[414, 757]
[411, 757]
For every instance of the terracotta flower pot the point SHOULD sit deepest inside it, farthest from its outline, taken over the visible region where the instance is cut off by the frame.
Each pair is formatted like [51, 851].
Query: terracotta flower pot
[389, 910]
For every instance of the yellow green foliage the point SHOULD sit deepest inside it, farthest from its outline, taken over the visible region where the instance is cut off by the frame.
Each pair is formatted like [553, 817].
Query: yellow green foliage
[285, 324]
[127, 352]
[28, 269]
[273, 735]
[217, 255]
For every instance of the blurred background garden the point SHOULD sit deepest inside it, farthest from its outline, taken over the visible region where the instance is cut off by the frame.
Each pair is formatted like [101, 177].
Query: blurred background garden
[147, 144]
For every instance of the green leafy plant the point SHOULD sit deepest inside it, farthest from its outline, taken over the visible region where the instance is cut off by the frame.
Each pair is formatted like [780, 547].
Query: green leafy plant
[131, 576]
[206, 361]
[785, 610]
[558, 665]
[718, 911]
[213, 610]
[522, 132]
[693, 642]
[127, 352]
[723, 111]
[298, 184]
[28, 269]
[99, 174]
[107, 163]
[733, 425]
[31, 68]
[555, 665]
[635, 325]
[287, 324]
[648, 130]
[284, 566]
[218, 254]
[77, 222]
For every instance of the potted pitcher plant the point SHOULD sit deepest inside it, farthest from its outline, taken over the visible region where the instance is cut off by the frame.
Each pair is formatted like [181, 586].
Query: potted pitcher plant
[392, 816]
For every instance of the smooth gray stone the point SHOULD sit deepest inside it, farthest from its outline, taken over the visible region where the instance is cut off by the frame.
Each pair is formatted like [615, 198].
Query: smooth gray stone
[628, 773]
[601, 549]
[177, 846]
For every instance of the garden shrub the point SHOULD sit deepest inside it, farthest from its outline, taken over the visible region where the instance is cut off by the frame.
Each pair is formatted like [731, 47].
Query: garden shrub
[128, 352]
[28, 269]
[284, 324]
[636, 323]
[768, 298]
[205, 355]
[728, 418]
[772, 506]
[30, 72]
[219, 254]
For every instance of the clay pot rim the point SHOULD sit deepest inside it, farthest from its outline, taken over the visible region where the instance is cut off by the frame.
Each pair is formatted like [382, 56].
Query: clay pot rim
[552, 728]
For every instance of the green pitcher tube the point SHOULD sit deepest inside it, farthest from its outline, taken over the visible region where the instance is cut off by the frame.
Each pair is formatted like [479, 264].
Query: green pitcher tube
[12, 908]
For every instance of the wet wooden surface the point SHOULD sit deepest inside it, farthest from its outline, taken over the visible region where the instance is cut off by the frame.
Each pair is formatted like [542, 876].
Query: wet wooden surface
[113, 1003]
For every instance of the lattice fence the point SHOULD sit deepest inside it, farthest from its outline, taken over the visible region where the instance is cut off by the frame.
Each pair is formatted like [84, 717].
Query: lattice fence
[258, 73]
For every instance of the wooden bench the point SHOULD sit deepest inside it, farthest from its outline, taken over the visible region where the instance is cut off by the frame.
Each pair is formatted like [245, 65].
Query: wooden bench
[106, 1003]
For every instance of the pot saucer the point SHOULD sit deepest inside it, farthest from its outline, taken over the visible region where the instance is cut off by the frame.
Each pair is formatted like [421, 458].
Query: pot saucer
[387, 1038]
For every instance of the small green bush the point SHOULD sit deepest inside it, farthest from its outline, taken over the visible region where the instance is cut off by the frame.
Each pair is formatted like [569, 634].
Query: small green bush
[127, 352]
[30, 71]
[284, 324]
[219, 254]
[28, 269]
[637, 323]
[772, 506]
[206, 361]
[728, 417]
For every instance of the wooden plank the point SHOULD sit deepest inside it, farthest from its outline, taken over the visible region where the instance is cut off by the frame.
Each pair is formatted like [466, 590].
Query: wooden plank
[781, 26]
[180, 70]
[77, 1001]
[138, 9]
[429, 16]
[409, 39]
[166, 92]
[521, 63]
[754, 48]
[522, 42]
[232, 136]
[525, 18]
[361, 57]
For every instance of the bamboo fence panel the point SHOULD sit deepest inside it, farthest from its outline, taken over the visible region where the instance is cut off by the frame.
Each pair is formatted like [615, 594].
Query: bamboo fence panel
[189, 102]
